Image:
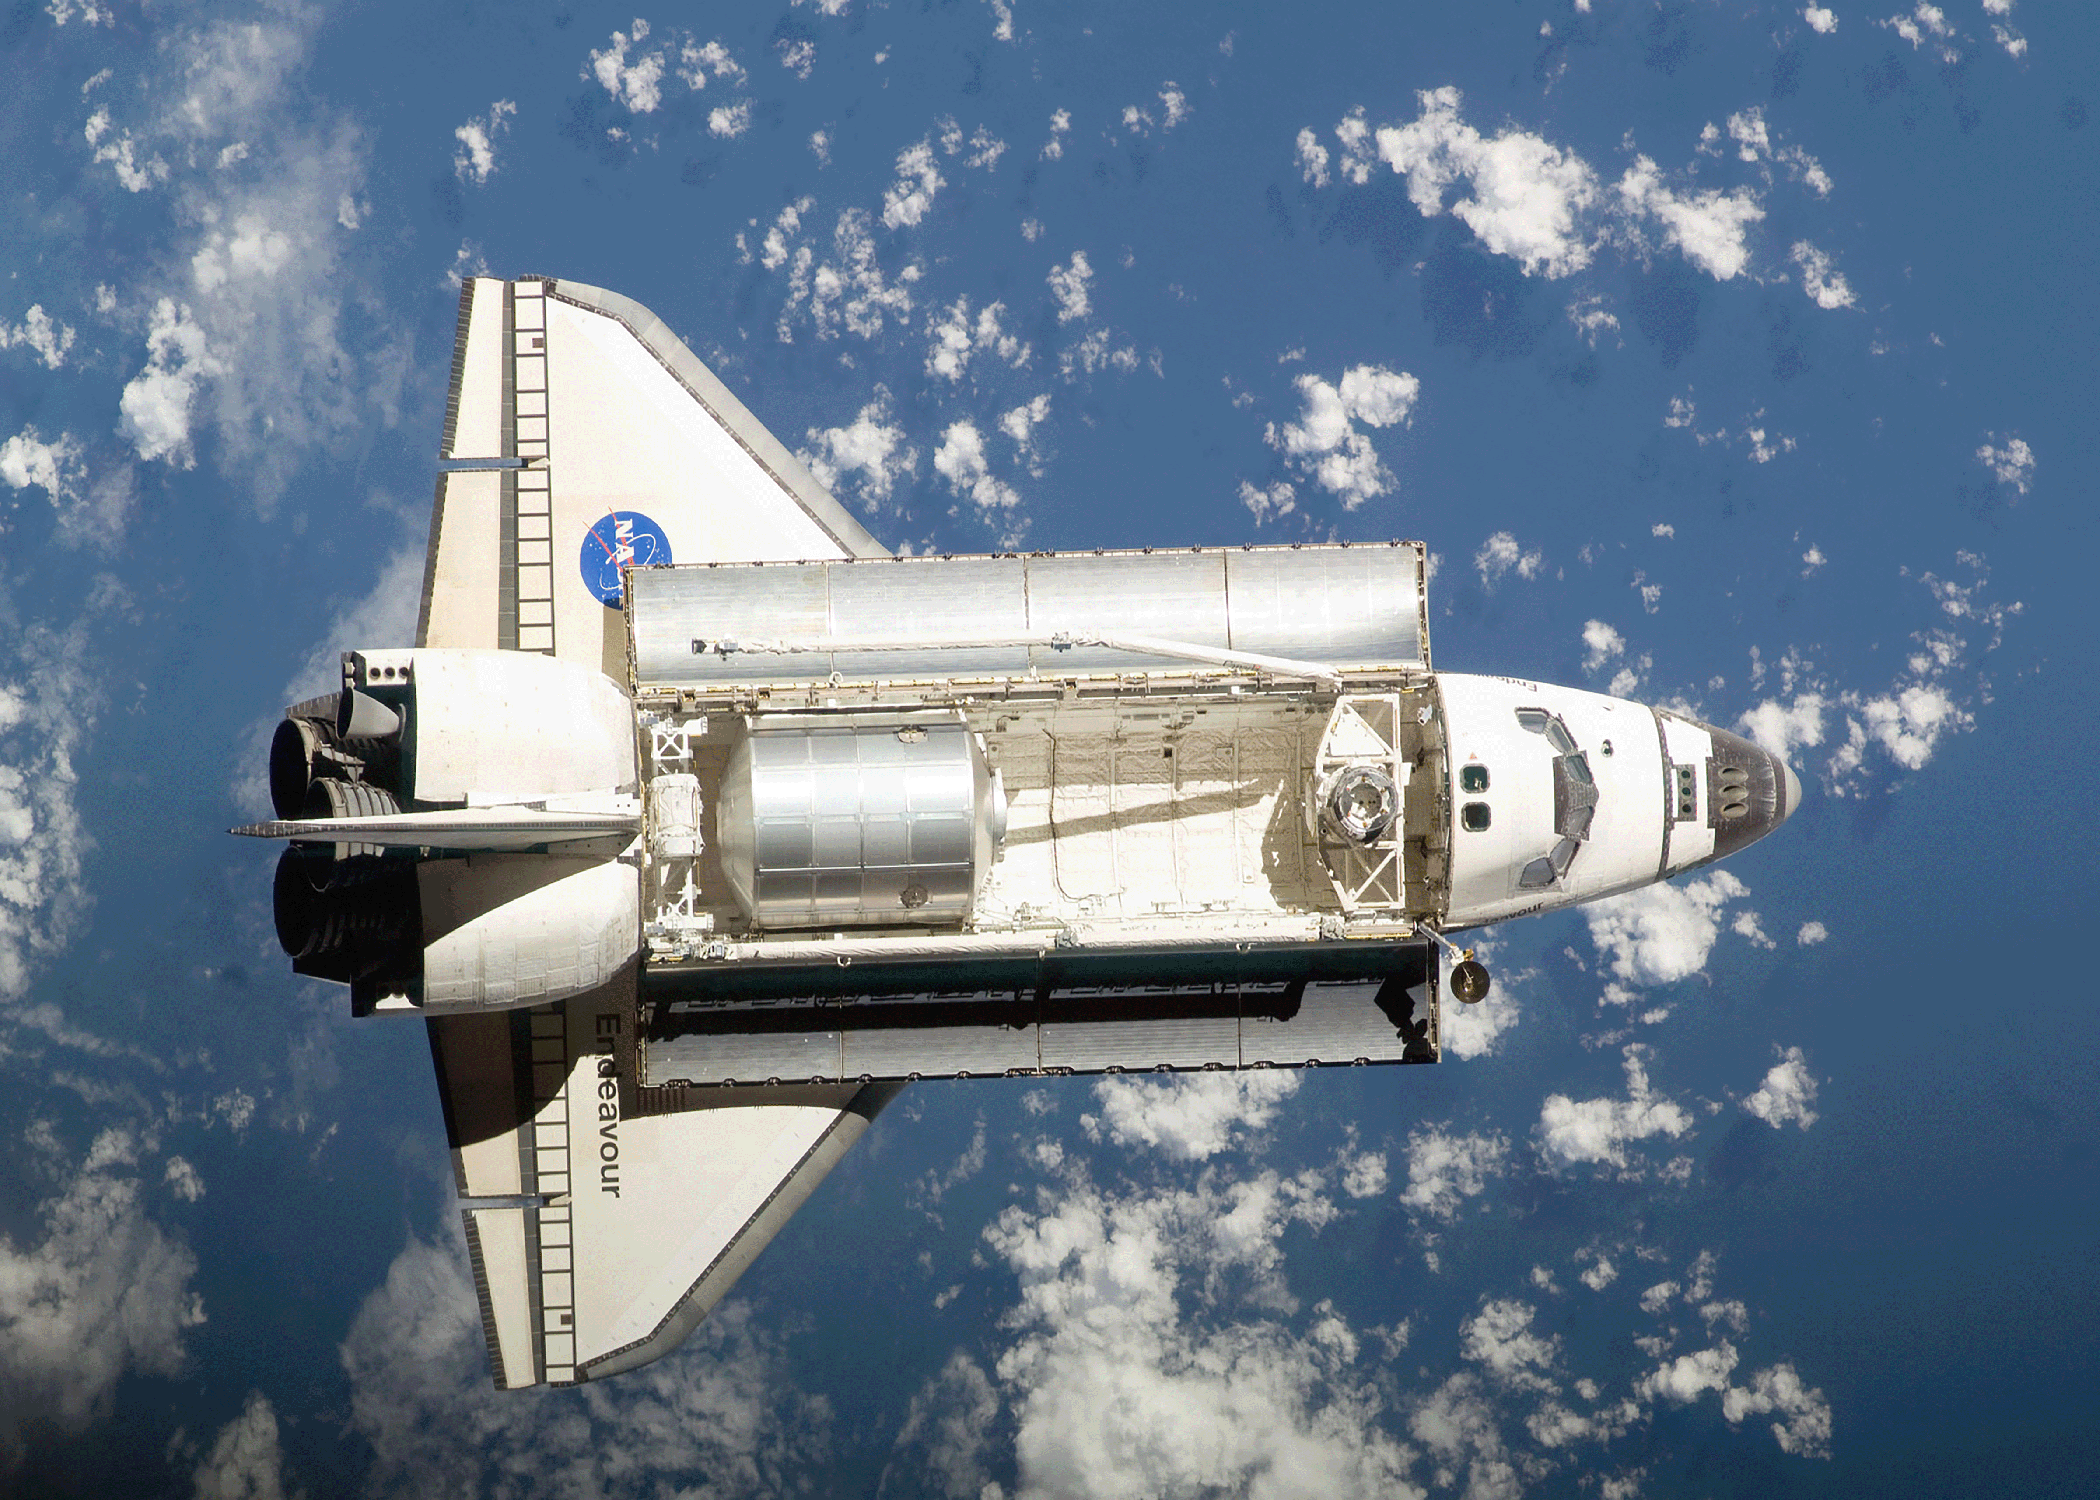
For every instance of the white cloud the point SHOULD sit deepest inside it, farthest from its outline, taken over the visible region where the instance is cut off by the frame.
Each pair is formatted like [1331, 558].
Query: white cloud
[1068, 283]
[2014, 44]
[1788, 1093]
[1269, 502]
[1469, 1031]
[1783, 728]
[1174, 105]
[122, 155]
[1591, 318]
[1324, 445]
[183, 1180]
[848, 292]
[869, 452]
[1806, 1427]
[724, 1406]
[1820, 18]
[156, 403]
[1708, 227]
[1003, 19]
[1811, 934]
[1312, 159]
[48, 702]
[1690, 1376]
[961, 460]
[1125, 1381]
[41, 334]
[1443, 1170]
[1527, 195]
[1600, 1274]
[104, 1292]
[55, 467]
[1020, 423]
[728, 121]
[797, 54]
[1500, 1339]
[697, 60]
[246, 1461]
[2010, 461]
[1909, 722]
[476, 156]
[1187, 1118]
[820, 147]
[1826, 287]
[637, 85]
[1600, 644]
[918, 179]
[1501, 554]
[955, 336]
[1812, 559]
[1364, 1175]
[1596, 1131]
[1662, 933]
[1060, 127]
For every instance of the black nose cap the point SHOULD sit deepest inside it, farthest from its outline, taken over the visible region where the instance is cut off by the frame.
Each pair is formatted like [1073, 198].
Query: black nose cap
[1749, 792]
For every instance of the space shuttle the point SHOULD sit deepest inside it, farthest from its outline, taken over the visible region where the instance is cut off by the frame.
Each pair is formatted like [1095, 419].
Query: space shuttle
[696, 825]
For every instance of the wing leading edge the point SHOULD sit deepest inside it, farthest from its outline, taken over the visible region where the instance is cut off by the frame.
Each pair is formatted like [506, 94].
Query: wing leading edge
[601, 1233]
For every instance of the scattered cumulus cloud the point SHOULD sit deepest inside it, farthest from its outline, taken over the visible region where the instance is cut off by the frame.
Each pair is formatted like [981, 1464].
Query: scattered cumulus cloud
[953, 337]
[797, 54]
[1825, 285]
[1188, 1118]
[1787, 1093]
[96, 1291]
[847, 291]
[636, 85]
[1708, 225]
[1445, 1169]
[728, 121]
[1820, 18]
[1526, 196]
[1313, 158]
[962, 461]
[869, 453]
[41, 334]
[1596, 1132]
[1324, 445]
[1060, 127]
[1501, 554]
[918, 179]
[1068, 284]
[2010, 461]
[1811, 934]
[475, 159]
[1600, 643]
[1662, 933]
[246, 1461]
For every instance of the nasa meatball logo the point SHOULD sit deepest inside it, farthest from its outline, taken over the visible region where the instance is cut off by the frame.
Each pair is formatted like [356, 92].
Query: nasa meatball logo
[620, 539]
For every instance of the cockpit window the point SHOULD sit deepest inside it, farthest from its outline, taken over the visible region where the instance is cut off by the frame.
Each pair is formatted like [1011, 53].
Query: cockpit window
[1473, 778]
[1574, 799]
[1476, 816]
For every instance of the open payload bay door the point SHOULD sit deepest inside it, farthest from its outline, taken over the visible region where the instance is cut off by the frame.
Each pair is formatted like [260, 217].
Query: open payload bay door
[582, 434]
[600, 1239]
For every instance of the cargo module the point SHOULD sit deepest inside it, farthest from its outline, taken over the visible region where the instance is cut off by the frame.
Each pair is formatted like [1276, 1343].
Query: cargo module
[697, 825]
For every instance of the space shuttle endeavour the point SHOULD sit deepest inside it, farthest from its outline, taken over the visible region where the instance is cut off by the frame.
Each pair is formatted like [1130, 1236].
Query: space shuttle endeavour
[696, 825]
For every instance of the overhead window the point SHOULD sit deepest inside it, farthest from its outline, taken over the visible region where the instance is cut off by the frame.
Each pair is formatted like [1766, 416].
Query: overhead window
[1476, 816]
[1473, 778]
[1574, 799]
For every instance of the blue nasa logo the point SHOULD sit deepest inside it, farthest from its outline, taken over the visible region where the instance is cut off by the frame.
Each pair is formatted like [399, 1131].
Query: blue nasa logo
[620, 539]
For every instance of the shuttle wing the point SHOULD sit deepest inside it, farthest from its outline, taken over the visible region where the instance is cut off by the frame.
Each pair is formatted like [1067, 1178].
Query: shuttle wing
[580, 431]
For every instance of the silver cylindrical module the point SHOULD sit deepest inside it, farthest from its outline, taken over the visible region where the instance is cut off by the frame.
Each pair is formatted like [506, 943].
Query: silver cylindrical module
[674, 816]
[824, 822]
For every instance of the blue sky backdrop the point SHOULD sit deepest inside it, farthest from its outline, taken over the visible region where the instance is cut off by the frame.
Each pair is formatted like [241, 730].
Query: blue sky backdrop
[1735, 357]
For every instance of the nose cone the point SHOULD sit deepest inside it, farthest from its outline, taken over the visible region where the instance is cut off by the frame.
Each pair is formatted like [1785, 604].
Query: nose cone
[1750, 792]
